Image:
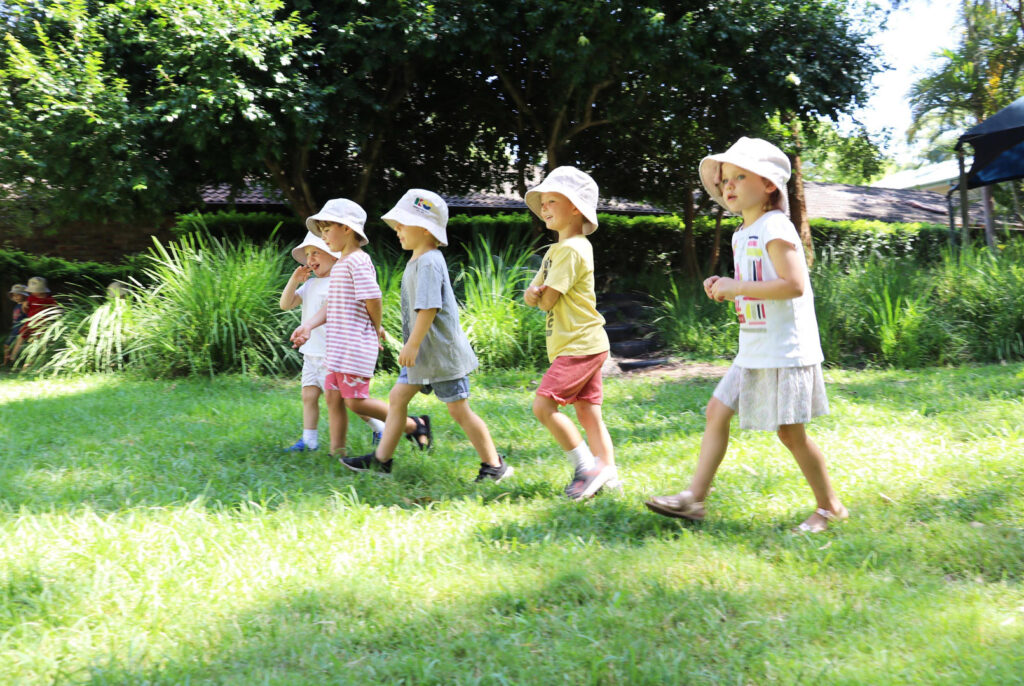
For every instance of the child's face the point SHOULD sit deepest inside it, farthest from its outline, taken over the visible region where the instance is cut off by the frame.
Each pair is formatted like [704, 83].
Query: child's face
[333, 235]
[413, 237]
[319, 261]
[557, 211]
[17, 297]
[744, 190]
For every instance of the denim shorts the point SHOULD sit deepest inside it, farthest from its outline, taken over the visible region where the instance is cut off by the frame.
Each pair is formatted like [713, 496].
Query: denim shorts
[446, 391]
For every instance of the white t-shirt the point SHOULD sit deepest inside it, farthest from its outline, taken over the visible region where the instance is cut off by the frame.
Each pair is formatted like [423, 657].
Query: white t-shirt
[773, 333]
[314, 295]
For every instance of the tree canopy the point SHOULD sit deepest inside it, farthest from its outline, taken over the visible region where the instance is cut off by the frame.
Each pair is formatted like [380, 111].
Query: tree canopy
[128, 107]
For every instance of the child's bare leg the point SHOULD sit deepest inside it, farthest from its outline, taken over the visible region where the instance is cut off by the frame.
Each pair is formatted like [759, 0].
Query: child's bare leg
[812, 463]
[561, 427]
[598, 438]
[378, 409]
[476, 431]
[397, 419]
[337, 422]
[310, 407]
[712, 447]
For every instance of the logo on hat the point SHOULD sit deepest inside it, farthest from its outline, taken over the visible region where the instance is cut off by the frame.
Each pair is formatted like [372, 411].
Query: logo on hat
[422, 204]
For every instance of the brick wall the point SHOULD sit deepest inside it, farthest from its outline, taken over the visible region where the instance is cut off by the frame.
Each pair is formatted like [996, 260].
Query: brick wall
[95, 242]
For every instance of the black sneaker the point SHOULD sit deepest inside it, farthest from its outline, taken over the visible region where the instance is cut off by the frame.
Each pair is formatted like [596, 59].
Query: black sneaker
[366, 463]
[495, 474]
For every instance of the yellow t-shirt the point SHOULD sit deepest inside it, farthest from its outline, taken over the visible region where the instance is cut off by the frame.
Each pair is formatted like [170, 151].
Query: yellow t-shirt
[574, 326]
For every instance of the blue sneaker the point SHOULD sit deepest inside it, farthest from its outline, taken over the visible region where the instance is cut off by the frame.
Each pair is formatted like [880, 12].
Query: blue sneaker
[299, 447]
[377, 435]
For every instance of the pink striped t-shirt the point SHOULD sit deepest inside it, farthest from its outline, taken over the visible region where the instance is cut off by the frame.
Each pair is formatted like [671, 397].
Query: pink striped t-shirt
[351, 340]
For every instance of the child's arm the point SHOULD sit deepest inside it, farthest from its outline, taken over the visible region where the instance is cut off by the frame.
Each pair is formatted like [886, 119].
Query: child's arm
[375, 310]
[411, 349]
[303, 331]
[288, 298]
[547, 297]
[790, 284]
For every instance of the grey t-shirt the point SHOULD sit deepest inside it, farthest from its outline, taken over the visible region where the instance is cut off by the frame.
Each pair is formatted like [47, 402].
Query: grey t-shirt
[445, 353]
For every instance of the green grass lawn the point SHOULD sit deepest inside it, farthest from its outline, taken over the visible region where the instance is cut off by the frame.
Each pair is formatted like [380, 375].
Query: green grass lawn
[154, 532]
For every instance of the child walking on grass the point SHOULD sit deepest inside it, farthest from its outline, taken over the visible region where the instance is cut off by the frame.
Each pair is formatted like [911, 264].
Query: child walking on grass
[316, 259]
[577, 344]
[436, 355]
[18, 296]
[352, 315]
[775, 383]
[38, 301]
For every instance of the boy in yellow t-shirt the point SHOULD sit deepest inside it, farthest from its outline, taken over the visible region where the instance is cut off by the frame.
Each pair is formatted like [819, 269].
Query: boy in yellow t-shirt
[576, 341]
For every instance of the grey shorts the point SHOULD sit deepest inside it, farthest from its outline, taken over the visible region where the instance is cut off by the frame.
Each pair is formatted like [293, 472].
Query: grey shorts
[446, 391]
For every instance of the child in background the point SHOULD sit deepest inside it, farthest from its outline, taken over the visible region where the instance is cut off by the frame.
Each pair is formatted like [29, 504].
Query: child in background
[352, 321]
[18, 296]
[775, 383]
[315, 258]
[577, 344]
[436, 356]
[38, 301]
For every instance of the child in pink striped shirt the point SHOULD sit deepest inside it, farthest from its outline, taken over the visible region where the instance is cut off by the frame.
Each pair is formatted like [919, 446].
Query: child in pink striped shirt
[353, 318]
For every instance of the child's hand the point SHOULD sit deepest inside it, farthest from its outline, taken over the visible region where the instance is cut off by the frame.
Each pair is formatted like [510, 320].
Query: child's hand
[407, 358]
[708, 283]
[300, 336]
[381, 337]
[532, 295]
[301, 273]
[725, 289]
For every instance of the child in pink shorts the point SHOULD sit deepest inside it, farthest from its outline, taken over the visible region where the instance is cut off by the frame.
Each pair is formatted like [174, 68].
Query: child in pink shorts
[576, 341]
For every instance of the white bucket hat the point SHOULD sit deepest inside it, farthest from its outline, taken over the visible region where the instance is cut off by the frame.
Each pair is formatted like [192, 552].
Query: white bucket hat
[421, 208]
[18, 289]
[753, 154]
[37, 284]
[299, 252]
[341, 211]
[577, 186]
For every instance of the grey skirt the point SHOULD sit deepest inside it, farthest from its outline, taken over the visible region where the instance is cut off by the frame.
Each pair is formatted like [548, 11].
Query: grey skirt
[766, 399]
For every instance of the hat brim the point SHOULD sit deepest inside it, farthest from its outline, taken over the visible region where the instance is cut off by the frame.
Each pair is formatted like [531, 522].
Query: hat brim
[532, 200]
[710, 177]
[350, 222]
[399, 216]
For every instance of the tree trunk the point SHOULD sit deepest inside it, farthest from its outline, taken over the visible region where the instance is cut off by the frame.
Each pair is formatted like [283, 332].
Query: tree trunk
[797, 198]
[296, 190]
[987, 205]
[690, 267]
[716, 246]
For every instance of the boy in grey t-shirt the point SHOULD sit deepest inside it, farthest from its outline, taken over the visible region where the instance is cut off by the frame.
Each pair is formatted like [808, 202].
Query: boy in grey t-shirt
[436, 356]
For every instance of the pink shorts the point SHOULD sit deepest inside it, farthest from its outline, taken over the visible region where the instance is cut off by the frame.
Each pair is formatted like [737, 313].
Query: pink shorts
[349, 385]
[574, 377]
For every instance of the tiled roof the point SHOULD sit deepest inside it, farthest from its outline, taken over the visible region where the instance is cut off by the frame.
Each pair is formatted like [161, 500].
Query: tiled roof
[249, 195]
[511, 202]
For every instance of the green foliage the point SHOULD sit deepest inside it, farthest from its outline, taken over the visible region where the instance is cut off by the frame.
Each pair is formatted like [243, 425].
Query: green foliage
[63, 275]
[693, 325]
[502, 329]
[256, 226]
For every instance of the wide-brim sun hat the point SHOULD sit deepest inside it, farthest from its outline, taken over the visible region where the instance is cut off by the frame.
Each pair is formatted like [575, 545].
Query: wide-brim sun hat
[421, 208]
[37, 284]
[753, 154]
[311, 239]
[340, 211]
[577, 186]
[18, 289]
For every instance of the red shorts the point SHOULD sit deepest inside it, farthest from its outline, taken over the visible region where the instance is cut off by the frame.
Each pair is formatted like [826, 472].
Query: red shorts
[574, 377]
[349, 385]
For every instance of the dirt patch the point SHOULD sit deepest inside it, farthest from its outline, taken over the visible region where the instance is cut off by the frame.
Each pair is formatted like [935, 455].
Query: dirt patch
[671, 369]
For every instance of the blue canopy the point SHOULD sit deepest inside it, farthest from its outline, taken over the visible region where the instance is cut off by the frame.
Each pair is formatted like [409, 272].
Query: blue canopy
[998, 144]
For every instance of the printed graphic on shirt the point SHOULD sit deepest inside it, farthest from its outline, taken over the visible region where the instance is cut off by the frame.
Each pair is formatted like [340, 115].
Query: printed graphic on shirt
[549, 320]
[751, 312]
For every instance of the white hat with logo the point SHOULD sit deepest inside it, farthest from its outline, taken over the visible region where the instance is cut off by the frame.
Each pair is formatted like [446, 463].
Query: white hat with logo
[753, 154]
[340, 211]
[421, 208]
[577, 186]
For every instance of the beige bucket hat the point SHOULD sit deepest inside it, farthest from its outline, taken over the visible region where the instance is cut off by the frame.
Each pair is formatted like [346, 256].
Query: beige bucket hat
[422, 208]
[577, 186]
[753, 154]
[37, 284]
[341, 211]
[299, 252]
[18, 289]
